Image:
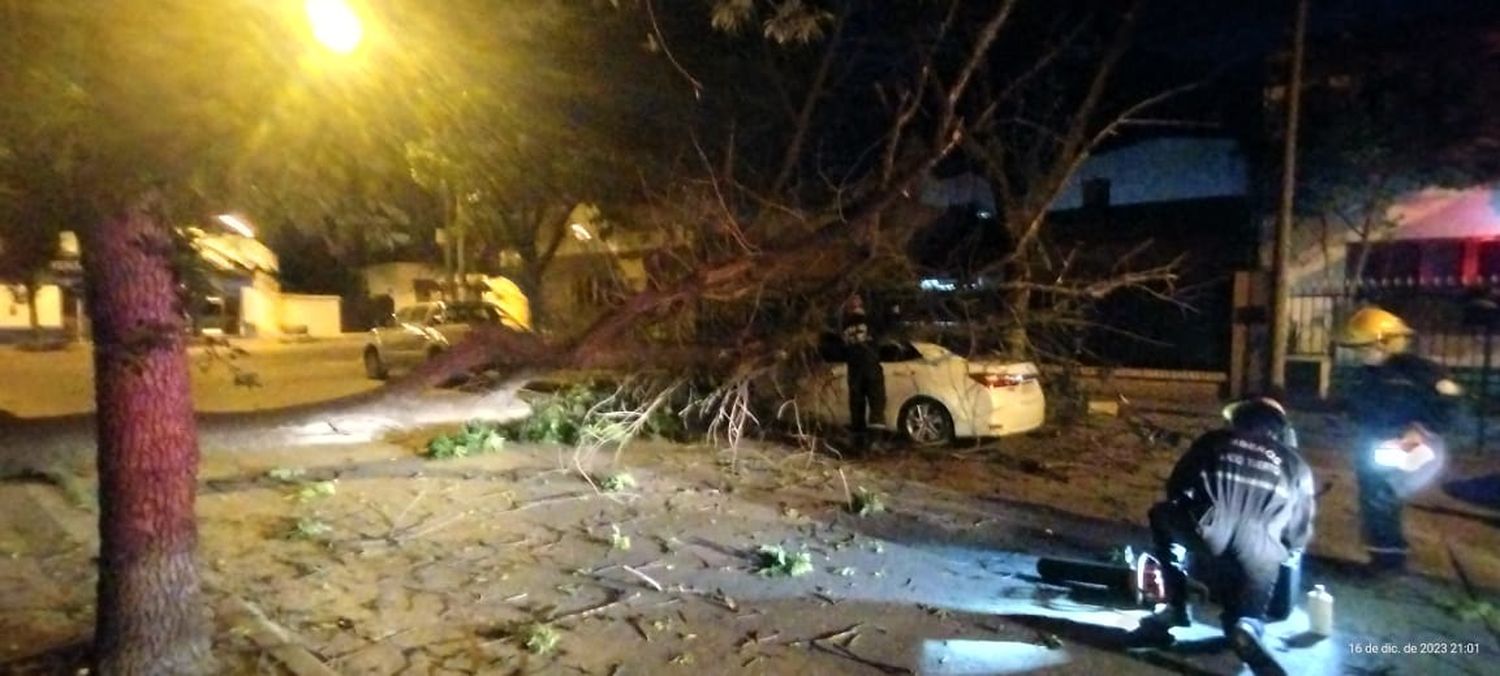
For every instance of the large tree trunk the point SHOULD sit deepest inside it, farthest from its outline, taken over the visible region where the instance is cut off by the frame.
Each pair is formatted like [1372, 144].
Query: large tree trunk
[1017, 338]
[531, 284]
[150, 619]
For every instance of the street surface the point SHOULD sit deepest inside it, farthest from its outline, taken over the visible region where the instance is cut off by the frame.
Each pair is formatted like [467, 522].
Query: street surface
[422, 566]
[38, 384]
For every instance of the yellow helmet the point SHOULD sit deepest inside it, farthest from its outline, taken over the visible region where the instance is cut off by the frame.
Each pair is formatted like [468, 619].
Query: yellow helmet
[1372, 325]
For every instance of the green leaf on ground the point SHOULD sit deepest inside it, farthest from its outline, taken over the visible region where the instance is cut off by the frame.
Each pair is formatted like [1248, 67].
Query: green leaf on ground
[475, 438]
[286, 474]
[617, 483]
[308, 528]
[315, 490]
[618, 540]
[776, 561]
[539, 638]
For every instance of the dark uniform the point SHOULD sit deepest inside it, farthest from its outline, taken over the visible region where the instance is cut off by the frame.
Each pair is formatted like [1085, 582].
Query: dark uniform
[1386, 400]
[1241, 504]
[866, 378]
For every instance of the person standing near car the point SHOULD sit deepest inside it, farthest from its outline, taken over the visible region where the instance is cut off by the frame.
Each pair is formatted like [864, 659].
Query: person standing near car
[866, 378]
[1401, 405]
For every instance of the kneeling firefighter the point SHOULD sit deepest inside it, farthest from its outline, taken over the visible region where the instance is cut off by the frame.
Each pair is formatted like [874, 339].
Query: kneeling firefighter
[1239, 508]
[1401, 405]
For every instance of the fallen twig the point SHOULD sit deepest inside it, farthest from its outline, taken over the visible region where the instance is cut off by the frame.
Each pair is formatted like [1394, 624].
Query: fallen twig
[848, 497]
[647, 578]
[595, 610]
[395, 523]
[568, 497]
[835, 636]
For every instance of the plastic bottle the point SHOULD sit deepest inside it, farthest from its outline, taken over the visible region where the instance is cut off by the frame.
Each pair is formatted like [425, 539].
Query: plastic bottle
[1320, 611]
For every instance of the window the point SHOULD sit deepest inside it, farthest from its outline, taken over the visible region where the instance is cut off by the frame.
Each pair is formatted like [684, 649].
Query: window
[1489, 260]
[415, 313]
[1386, 260]
[1442, 261]
[893, 351]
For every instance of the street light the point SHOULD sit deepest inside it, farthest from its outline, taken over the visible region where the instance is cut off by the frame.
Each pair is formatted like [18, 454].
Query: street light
[335, 24]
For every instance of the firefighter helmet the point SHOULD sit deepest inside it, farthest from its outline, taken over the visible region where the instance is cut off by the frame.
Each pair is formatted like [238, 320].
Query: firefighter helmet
[1372, 325]
[1262, 416]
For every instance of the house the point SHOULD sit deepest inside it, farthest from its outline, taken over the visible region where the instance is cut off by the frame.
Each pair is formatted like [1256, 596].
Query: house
[1183, 199]
[1438, 250]
[56, 298]
[1424, 239]
[595, 264]
[244, 297]
[248, 300]
[1184, 196]
[405, 283]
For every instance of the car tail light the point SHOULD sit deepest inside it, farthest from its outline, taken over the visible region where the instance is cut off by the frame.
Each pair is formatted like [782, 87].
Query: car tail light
[1001, 379]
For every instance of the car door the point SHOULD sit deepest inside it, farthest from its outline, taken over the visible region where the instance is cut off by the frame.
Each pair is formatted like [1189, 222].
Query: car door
[408, 342]
[902, 366]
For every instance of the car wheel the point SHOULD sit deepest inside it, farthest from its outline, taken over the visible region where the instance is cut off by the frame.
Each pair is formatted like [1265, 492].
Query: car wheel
[374, 367]
[925, 422]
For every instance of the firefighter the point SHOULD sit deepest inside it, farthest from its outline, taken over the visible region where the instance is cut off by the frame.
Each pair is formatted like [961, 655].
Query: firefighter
[1399, 402]
[1240, 503]
[866, 378]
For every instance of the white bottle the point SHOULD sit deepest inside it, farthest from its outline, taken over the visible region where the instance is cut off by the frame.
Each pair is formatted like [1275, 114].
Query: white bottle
[1320, 611]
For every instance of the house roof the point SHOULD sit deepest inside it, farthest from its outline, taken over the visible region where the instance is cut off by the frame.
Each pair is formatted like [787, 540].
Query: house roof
[1446, 214]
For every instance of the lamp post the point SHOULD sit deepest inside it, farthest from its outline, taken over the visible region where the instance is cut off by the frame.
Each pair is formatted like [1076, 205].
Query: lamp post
[335, 25]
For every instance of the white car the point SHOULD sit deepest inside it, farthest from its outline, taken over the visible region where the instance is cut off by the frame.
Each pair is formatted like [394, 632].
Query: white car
[933, 395]
[421, 331]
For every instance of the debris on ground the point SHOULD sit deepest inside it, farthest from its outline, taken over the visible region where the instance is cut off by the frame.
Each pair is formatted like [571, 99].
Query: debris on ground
[776, 561]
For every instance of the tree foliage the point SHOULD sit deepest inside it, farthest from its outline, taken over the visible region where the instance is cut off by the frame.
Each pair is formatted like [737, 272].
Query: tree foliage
[1388, 115]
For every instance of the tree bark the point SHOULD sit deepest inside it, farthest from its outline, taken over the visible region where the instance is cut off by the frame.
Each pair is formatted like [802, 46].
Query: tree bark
[531, 284]
[150, 619]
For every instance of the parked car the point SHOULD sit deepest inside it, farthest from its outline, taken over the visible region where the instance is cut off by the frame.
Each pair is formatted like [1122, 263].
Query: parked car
[932, 395]
[418, 332]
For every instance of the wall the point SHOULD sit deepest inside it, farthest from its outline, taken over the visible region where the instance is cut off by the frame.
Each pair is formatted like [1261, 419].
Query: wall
[265, 312]
[398, 280]
[258, 307]
[14, 313]
[320, 314]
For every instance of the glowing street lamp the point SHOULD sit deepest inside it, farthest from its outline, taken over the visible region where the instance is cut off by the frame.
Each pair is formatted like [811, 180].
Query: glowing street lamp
[335, 24]
[237, 224]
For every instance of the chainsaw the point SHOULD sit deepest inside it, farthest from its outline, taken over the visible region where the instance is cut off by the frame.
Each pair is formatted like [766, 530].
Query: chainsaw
[1137, 582]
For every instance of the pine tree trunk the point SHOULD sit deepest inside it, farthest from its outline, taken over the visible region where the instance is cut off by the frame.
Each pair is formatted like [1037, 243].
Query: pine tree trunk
[150, 619]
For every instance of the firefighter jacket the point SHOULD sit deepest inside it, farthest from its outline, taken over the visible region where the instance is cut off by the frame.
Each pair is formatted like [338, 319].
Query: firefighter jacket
[1245, 491]
[1387, 399]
